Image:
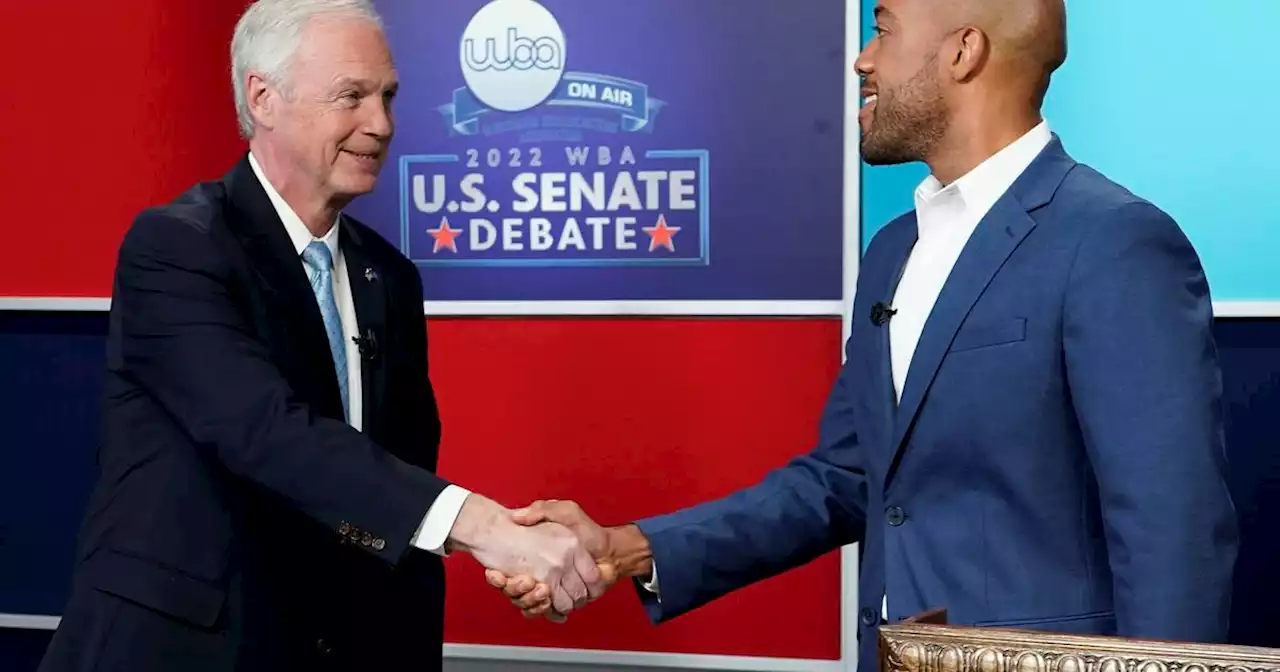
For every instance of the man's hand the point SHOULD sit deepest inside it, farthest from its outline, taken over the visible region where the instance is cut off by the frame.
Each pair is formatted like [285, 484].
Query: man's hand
[545, 551]
[618, 551]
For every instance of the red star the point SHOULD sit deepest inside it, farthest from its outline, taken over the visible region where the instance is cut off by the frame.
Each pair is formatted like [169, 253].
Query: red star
[661, 234]
[444, 236]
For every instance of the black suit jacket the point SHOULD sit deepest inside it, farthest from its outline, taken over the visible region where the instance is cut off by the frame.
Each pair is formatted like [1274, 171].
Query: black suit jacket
[239, 523]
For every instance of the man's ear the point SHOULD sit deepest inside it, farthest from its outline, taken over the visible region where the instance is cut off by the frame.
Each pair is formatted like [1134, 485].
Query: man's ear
[263, 101]
[966, 51]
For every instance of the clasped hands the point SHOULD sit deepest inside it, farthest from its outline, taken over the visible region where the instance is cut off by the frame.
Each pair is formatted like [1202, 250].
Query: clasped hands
[581, 564]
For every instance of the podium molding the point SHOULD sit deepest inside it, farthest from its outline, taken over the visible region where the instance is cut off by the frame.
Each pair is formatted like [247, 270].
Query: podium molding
[919, 647]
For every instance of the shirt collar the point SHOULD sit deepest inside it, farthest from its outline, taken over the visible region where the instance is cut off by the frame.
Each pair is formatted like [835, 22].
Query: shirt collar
[298, 232]
[981, 187]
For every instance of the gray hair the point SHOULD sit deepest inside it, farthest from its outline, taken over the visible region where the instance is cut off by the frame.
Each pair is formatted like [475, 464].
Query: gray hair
[267, 36]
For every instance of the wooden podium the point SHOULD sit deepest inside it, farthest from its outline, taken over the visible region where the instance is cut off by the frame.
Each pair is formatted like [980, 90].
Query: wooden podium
[926, 644]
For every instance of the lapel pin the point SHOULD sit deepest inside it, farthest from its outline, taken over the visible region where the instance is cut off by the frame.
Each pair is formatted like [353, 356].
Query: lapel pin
[370, 275]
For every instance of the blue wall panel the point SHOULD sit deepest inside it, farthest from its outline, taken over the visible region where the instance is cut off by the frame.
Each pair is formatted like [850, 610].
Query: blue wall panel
[1249, 351]
[51, 370]
[21, 650]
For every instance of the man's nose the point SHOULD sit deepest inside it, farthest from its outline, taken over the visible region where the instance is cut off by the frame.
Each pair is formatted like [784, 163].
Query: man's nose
[864, 65]
[380, 123]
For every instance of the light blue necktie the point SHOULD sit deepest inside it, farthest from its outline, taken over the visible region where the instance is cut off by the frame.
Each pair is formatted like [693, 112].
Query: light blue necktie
[319, 264]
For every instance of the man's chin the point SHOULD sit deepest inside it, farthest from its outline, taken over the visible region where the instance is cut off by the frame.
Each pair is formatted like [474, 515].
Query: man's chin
[357, 184]
[874, 154]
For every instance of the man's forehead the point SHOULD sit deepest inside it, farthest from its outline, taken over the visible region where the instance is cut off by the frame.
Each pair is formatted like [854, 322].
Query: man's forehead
[924, 14]
[341, 36]
[887, 9]
[916, 9]
[351, 78]
[351, 51]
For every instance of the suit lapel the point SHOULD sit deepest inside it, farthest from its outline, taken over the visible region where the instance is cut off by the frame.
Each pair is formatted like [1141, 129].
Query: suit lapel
[899, 251]
[996, 237]
[368, 293]
[993, 241]
[282, 279]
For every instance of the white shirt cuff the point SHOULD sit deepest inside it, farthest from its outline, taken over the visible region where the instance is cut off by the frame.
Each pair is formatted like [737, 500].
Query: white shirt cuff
[438, 523]
[652, 584]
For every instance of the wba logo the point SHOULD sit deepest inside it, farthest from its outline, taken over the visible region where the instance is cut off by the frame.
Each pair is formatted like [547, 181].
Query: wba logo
[512, 55]
[521, 53]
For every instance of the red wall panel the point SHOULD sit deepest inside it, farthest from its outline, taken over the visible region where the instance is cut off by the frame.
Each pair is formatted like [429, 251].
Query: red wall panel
[634, 417]
[120, 105]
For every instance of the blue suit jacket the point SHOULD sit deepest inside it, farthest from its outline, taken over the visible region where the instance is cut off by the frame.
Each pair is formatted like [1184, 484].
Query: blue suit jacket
[1056, 461]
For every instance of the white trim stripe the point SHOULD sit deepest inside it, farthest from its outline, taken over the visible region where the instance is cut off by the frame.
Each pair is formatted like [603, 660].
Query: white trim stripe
[686, 661]
[852, 258]
[831, 308]
[55, 304]
[1246, 308]
[29, 622]
[534, 654]
[641, 308]
[1227, 309]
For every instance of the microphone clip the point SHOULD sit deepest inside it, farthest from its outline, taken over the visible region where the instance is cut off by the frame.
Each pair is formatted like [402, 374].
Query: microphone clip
[880, 313]
[368, 345]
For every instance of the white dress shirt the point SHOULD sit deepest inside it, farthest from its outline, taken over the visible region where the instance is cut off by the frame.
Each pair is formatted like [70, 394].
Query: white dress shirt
[946, 216]
[438, 522]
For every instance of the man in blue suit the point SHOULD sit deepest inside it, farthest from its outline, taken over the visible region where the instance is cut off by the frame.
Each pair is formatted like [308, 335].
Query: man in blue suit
[1027, 428]
[268, 498]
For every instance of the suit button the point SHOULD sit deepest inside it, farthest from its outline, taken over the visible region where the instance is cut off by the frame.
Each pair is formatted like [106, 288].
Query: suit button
[324, 647]
[894, 515]
[379, 544]
[366, 539]
[344, 529]
[867, 616]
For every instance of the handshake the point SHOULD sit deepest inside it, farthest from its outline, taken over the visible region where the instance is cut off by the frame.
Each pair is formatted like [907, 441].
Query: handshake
[550, 558]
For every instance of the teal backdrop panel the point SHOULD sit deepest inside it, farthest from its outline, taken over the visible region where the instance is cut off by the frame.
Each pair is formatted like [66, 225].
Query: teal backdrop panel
[1178, 100]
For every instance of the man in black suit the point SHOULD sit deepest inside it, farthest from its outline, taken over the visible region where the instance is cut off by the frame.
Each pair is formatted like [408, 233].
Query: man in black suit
[267, 498]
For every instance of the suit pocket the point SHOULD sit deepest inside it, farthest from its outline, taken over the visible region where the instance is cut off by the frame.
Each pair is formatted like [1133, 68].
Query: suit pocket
[987, 334]
[1095, 623]
[156, 587]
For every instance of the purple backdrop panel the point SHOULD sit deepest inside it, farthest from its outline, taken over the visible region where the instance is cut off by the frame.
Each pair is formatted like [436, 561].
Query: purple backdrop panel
[616, 150]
